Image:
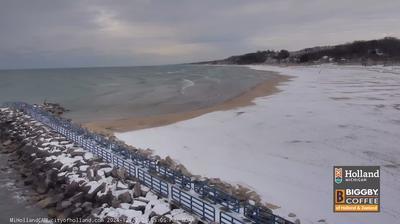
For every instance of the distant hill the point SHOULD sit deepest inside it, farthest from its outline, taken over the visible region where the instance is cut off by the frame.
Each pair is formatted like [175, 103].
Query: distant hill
[386, 50]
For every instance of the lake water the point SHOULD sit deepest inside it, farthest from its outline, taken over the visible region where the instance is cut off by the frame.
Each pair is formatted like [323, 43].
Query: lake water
[116, 92]
[13, 203]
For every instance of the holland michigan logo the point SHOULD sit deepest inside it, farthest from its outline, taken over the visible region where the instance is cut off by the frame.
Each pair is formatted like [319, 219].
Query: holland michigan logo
[338, 175]
[356, 189]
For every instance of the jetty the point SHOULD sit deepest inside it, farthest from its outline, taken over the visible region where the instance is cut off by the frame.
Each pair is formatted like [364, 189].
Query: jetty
[81, 174]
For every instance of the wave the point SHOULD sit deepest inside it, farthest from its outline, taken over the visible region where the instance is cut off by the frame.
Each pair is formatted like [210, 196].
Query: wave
[212, 79]
[186, 83]
[175, 72]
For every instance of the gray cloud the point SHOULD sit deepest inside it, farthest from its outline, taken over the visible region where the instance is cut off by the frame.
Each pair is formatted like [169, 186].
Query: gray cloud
[55, 33]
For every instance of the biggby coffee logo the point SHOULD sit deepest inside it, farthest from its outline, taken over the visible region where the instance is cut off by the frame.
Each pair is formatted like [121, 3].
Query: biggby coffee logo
[356, 189]
[339, 196]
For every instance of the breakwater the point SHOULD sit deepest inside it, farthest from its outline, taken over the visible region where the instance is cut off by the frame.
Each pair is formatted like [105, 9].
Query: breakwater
[206, 202]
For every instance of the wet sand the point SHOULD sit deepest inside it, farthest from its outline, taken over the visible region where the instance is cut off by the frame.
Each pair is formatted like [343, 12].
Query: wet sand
[265, 88]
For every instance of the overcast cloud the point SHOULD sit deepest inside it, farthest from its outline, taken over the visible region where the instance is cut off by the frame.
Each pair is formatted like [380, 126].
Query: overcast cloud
[72, 33]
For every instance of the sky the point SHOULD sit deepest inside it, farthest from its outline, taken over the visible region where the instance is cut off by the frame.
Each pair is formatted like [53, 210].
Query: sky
[80, 33]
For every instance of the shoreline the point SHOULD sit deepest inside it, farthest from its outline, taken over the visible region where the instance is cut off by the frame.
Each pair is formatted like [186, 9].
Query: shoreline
[300, 131]
[246, 98]
[67, 182]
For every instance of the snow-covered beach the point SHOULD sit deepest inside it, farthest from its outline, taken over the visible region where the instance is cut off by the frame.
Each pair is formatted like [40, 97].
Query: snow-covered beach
[285, 145]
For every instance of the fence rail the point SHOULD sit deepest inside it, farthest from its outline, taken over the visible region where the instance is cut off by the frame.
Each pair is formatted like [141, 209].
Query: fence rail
[192, 204]
[157, 185]
[217, 196]
[225, 218]
[129, 160]
[260, 215]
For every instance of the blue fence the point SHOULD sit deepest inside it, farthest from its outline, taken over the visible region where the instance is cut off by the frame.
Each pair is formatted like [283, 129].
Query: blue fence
[173, 176]
[157, 185]
[217, 196]
[193, 205]
[158, 176]
[263, 216]
[121, 163]
[225, 218]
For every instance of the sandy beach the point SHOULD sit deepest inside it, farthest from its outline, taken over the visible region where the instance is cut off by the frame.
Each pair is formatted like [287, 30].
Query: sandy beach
[230, 112]
[285, 145]
[244, 99]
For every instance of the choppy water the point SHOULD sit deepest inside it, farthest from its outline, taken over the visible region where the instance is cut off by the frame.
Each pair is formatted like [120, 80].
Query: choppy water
[13, 202]
[115, 92]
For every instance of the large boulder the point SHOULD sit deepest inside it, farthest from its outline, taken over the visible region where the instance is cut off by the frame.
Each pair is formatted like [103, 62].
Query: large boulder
[77, 212]
[125, 197]
[51, 178]
[121, 174]
[62, 205]
[137, 191]
[87, 206]
[115, 203]
[71, 189]
[77, 197]
[94, 190]
[105, 198]
[48, 202]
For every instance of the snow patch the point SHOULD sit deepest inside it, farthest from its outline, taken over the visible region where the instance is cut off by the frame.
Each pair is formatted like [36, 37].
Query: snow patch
[285, 145]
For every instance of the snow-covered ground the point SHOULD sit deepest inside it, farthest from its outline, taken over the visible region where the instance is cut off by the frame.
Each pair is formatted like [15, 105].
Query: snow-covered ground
[284, 147]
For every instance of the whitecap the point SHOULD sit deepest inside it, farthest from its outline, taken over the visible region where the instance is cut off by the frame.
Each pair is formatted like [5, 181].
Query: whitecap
[186, 84]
